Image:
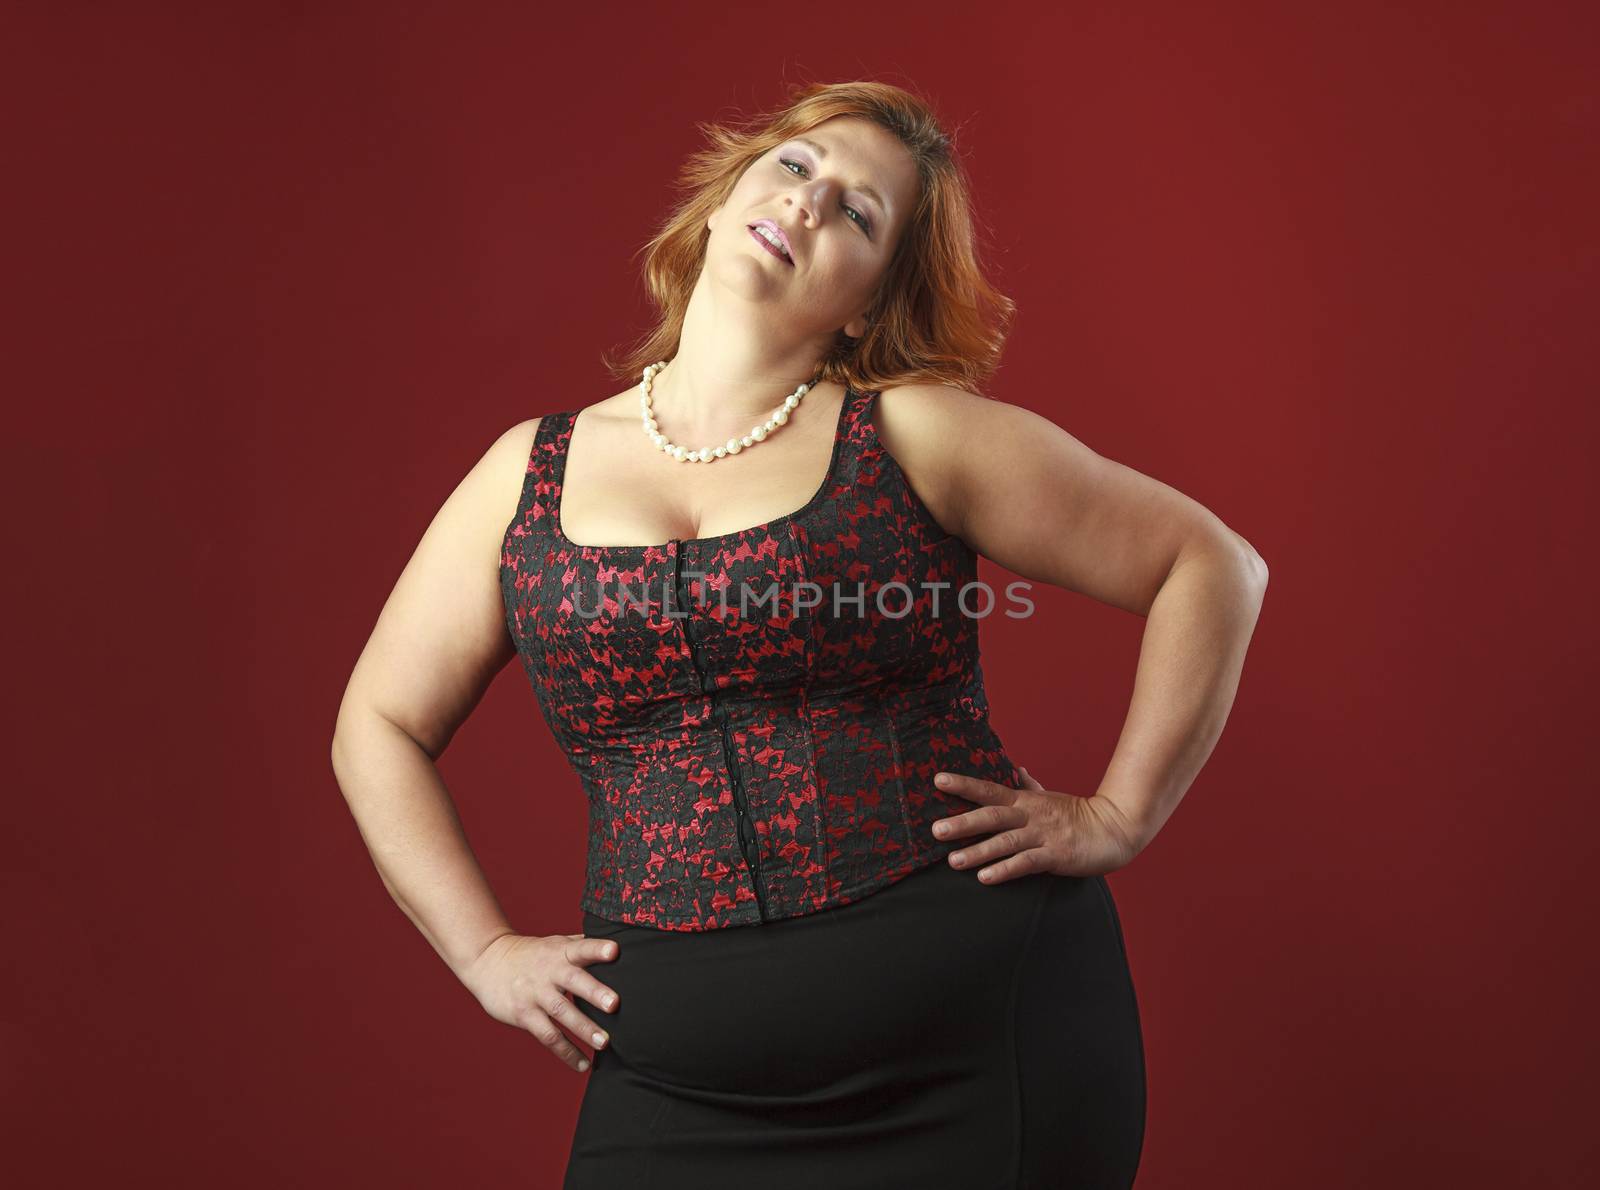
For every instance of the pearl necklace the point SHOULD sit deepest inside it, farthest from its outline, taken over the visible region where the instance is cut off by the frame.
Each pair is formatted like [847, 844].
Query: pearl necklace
[708, 454]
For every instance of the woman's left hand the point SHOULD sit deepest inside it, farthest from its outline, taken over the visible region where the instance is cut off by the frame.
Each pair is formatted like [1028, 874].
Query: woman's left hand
[1035, 830]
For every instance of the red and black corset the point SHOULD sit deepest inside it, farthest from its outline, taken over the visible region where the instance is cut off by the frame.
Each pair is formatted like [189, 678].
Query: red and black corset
[747, 757]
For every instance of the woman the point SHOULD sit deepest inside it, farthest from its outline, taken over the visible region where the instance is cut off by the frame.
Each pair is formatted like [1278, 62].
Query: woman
[833, 936]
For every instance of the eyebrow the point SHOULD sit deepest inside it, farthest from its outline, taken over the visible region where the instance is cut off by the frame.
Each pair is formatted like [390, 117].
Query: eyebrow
[865, 188]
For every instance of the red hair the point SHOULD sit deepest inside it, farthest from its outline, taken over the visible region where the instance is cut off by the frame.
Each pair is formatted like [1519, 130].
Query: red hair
[934, 318]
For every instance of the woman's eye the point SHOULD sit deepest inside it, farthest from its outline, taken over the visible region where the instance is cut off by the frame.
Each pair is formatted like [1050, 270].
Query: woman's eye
[860, 219]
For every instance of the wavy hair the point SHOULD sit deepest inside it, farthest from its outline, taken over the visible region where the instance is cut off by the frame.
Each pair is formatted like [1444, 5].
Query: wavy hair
[934, 318]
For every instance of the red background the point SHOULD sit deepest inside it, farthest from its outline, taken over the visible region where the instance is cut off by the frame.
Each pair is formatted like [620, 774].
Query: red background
[280, 273]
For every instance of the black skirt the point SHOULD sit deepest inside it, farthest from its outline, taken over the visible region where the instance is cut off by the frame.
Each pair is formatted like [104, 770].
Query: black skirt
[940, 1033]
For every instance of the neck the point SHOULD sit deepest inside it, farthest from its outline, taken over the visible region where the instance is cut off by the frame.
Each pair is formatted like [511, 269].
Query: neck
[732, 368]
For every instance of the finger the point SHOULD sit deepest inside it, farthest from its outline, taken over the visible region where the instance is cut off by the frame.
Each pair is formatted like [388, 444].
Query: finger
[993, 848]
[979, 821]
[1012, 867]
[954, 827]
[567, 1014]
[1028, 780]
[572, 1015]
[580, 983]
[591, 950]
[975, 789]
[549, 1034]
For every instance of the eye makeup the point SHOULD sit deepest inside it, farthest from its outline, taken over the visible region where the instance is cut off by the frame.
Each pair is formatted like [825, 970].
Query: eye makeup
[865, 221]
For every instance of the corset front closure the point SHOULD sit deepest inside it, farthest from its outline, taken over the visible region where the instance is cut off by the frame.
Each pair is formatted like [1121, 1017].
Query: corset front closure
[755, 718]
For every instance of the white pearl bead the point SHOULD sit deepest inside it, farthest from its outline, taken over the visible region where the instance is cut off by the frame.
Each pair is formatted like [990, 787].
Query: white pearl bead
[706, 454]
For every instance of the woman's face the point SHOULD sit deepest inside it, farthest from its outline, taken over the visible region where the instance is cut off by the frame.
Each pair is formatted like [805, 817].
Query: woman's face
[841, 194]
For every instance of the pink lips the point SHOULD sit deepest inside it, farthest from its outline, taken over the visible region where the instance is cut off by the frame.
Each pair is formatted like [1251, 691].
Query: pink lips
[768, 244]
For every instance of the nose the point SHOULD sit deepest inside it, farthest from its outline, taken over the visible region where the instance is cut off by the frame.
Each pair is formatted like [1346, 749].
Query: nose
[811, 196]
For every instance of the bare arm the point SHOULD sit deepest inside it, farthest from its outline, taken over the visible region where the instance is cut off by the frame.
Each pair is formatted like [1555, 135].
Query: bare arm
[1024, 492]
[438, 643]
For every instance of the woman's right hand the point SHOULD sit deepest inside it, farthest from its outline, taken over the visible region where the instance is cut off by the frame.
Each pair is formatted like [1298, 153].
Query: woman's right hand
[522, 980]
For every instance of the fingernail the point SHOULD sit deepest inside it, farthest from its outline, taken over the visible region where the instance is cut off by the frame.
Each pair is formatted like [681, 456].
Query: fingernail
[599, 1038]
[583, 1063]
[958, 859]
[940, 829]
[611, 1001]
[943, 778]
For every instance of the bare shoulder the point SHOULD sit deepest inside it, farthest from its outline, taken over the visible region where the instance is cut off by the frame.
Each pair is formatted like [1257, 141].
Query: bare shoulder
[942, 436]
[518, 439]
[620, 407]
[508, 458]
[505, 464]
[487, 497]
